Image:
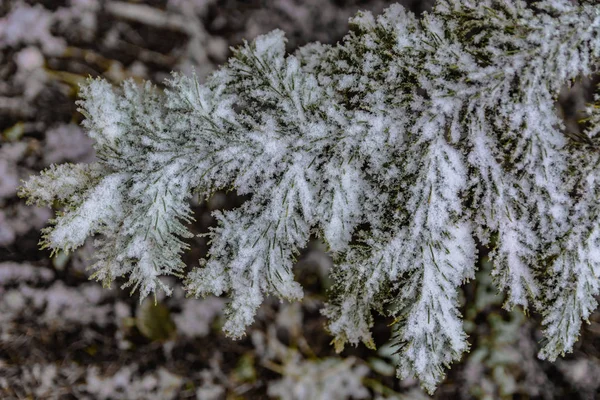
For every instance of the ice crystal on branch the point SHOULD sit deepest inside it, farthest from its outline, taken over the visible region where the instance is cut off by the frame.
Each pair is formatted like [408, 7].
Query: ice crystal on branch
[402, 146]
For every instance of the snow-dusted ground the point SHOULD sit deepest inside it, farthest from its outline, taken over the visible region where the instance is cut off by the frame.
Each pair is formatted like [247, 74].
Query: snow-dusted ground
[63, 336]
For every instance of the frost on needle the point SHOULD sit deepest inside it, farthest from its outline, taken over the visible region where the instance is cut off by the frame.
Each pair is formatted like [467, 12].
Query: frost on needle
[403, 147]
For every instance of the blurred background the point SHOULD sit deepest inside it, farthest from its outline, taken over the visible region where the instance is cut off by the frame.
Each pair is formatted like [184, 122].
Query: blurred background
[65, 337]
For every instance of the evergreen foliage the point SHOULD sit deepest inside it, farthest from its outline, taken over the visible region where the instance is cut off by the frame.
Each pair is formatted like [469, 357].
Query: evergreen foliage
[403, 147]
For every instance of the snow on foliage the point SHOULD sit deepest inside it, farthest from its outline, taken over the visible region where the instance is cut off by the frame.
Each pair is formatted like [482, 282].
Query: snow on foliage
[197, 316]
[329, 378]
[67, 142]
[307, 379]
[29, 25]
[124, 384]
[402, 147]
